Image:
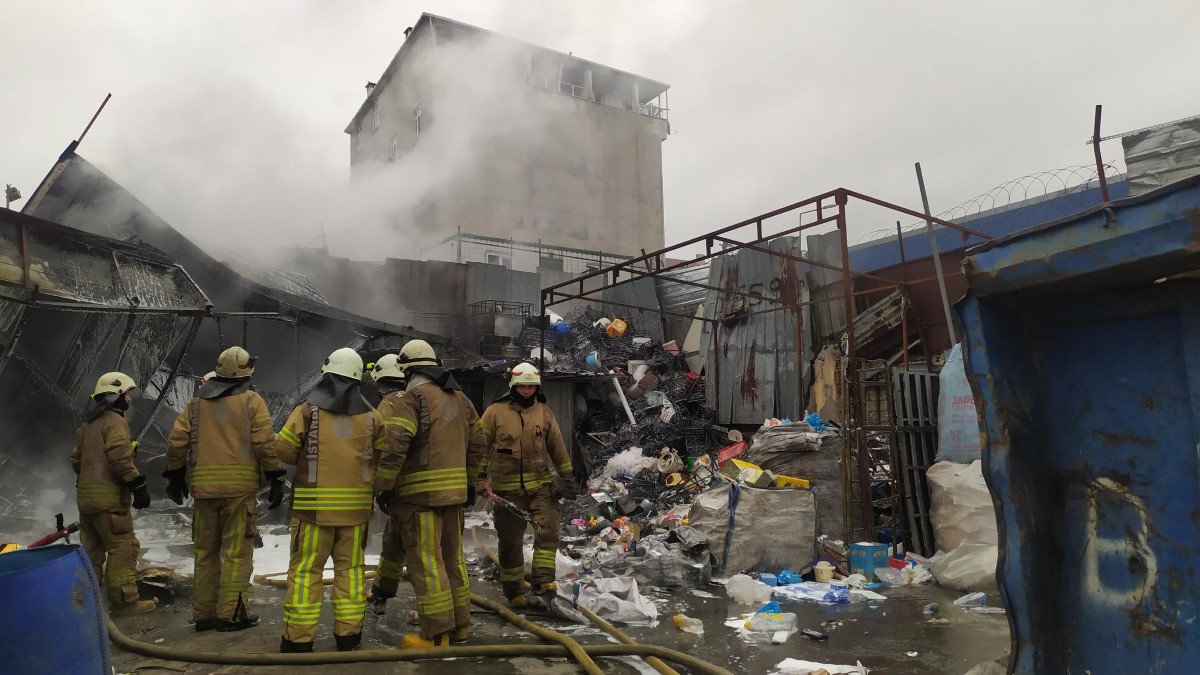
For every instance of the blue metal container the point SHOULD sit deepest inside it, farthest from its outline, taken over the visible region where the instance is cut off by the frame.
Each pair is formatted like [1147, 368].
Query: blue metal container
[1084, 354]
[51, 619]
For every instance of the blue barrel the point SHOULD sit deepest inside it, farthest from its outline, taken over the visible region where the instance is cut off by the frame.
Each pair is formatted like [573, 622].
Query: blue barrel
[51, 619]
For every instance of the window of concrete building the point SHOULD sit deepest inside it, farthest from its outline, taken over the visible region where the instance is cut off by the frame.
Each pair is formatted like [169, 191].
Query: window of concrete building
[392, 150]
[550, 263]
[499, 259]
[358, 139]
[416, 124]
[374, 118]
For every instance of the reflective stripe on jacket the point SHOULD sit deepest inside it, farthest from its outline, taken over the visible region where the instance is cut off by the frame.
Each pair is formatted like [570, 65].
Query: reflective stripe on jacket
[335, 457]
[225, 443]
[103, 459]
[525, 448]
[433, 448]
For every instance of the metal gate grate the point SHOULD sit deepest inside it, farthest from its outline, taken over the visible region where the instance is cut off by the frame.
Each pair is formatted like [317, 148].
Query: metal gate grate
[916, 395]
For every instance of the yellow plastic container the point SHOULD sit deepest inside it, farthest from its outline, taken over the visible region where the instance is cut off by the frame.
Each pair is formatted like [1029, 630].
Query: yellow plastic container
[790, 482]
[617, 328]
[823, 572]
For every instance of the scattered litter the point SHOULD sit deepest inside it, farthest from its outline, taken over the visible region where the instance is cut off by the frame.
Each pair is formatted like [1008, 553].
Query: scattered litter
[746, 591]
[909, 576]
[972, 600]
[688, 625]
[614, 599]
[801, 667]
[931, 609]
[825, 594]
[815, 636]
[706, 595]
[911, 654]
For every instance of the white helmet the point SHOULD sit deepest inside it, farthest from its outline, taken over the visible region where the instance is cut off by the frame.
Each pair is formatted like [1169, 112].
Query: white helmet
[114, 383]
[417, 353]
[345, 362]
[235, 362]
[524, 373]
[387, 367]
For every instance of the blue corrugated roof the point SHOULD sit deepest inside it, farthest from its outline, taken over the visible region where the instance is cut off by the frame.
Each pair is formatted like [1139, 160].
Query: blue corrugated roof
[884, 253]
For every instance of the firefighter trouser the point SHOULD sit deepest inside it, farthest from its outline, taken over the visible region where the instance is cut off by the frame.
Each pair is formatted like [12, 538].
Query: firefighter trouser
[108, 538]
[510, 530]
[391, 558]
[436, 567]
[223, 532]
[311, 547]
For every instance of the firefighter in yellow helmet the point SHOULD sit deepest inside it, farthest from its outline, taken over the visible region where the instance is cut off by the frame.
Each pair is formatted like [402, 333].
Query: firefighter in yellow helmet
[334, 439]
[219, 445]
[389, 380]
[103, 461]
[525, 452]
[426, 475]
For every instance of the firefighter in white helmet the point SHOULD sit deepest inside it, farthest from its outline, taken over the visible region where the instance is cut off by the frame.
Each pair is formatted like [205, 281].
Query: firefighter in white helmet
[221, 443]
[426, 476]
[527, 463]
[334, 440]
[108, 483]
[389, 380]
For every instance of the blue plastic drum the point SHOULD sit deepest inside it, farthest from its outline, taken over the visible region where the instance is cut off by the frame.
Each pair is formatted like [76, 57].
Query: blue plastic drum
[51, 619]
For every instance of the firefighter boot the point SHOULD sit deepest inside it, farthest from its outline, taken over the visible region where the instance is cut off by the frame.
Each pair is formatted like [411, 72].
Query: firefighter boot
[134, 608]
[461, 634]
[348, 643]
[414, 641]
[286, 646]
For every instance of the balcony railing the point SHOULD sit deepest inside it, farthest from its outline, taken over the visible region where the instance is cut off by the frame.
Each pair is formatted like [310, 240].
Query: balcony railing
[579, 91]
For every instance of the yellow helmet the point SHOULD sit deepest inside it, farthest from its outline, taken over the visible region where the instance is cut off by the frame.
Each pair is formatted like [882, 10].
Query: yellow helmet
[235, 362]
[387, 367]
[114, 383]
[524, 373]
[345, 362]
[417, 353]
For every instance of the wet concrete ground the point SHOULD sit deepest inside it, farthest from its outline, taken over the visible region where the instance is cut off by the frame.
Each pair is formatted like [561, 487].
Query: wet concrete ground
[878, 634]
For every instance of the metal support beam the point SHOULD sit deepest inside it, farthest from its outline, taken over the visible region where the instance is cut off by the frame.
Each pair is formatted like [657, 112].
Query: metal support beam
[162, 392]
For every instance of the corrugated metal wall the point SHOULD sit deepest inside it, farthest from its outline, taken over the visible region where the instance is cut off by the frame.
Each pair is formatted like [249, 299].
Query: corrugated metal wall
[758, 366]
[682, 298]
[493, 282]
[641, 293]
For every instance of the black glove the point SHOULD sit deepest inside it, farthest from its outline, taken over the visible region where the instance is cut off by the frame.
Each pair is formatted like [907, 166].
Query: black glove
[564, 487]
[141, 495]
[275, 497]
[384, 500]
[177, 488]
[470, 497]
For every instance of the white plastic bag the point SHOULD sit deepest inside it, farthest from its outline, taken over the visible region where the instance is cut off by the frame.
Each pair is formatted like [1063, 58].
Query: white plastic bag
[970, 567]
[958, 419]
[909, 576]
[747, 591]
[961, 508]
[613, 598]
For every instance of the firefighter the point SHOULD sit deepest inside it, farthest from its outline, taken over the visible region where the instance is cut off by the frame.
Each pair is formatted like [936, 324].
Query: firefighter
[426, 475]
[525, 450]
[389, 379]
[220, 443]
[107, 478]
[334, 439]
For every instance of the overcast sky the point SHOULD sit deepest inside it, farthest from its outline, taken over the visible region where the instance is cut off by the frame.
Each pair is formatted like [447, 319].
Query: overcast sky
[225, 113]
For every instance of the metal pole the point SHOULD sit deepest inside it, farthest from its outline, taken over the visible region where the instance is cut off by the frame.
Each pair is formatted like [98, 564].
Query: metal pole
[1099, 160]
[937, 257]
[93, 120]
[903, 295]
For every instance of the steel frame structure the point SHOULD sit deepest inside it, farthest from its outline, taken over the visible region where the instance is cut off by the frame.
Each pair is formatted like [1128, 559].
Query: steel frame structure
[826, 208]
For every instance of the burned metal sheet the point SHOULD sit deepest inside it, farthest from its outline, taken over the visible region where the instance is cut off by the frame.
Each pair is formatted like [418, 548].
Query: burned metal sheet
[1161, 155]
[758, 359]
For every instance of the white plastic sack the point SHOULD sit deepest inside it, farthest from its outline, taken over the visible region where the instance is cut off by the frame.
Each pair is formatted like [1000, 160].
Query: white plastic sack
[970, 567]
[915, 575]
[813, 591]
[772, 529]
[801, 667]
[614, 599]
[958, 420]
[961, 508]
[745, 590]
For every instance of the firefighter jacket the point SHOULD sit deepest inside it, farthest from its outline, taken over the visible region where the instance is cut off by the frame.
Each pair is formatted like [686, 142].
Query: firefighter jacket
[335, 458]
[225, 443]
[433, 446]
[524, 446]
[103, 459]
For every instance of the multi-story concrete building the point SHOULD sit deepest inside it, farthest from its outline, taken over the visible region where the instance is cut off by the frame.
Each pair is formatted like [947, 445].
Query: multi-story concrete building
[474, 133]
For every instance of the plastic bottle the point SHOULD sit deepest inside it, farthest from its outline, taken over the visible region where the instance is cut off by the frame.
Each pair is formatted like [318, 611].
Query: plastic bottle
[688, 625]
[972, 600]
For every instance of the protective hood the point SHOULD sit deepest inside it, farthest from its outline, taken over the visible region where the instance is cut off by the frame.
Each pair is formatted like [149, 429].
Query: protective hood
[216, 387]
[97, 405]
[339, 394]
[514, 397]
[436, 374]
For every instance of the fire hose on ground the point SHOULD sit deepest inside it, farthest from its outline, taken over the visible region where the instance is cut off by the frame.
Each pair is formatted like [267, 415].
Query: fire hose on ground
[565, 647]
